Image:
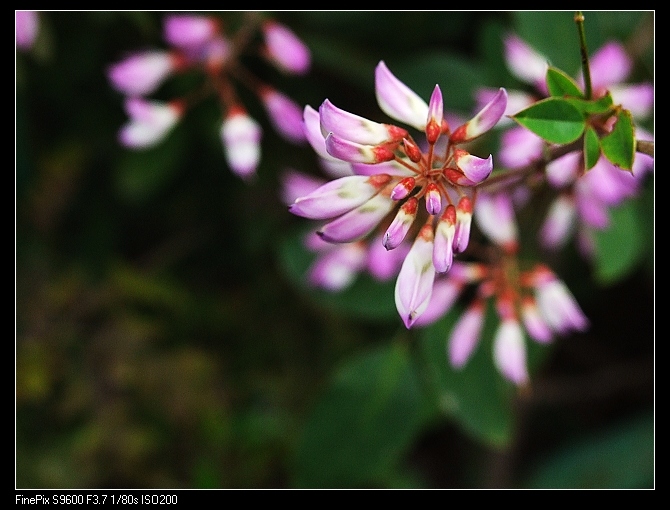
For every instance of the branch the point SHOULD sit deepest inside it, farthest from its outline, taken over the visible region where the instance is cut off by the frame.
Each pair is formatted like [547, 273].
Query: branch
[515, 175]
[645, 147]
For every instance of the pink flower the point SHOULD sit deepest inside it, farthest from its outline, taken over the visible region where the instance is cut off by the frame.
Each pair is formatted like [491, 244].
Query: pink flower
[509, 351]
[241, 136]
[414, 285]
[465, 335]
[27, 26]
[556, 303]
[285, 49]
[143, 72]
[495, 217]
[337, 266]
[200, 44]
[534, 300]
[296, 184]
[432, 187]
[525, 63]
[285, 115]
[188, 31]
[150, 122]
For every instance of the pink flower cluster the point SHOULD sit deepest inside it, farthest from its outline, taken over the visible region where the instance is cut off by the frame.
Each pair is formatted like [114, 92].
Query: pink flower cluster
[337, 265]
[394, 188]
[533, 299]
[199, 42]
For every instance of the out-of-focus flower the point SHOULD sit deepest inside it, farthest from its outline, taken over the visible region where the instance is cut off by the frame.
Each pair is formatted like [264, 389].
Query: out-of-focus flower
[585, 197]
[27, 27]
[285, 49]
[433, 189]
[241, 136]
[141, 73]
[150, 121]
[584, 201]
[556, 303]
[495, 218]
[337, 265]
[189, 31]
[532, 300]
[199, 43]
[525, 63]
[285, 114]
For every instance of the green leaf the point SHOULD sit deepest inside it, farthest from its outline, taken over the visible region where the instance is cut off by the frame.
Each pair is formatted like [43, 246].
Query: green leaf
[476, 395]
[619, 145]
[553, 119]
[560, 84]
[591, 148]
[621, 458]
[594, 106]
[366, 297]
[621, 247]
[366, 419]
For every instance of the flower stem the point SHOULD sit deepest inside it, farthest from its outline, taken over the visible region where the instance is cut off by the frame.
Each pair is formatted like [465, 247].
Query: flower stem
[579, 20]
[645, 147]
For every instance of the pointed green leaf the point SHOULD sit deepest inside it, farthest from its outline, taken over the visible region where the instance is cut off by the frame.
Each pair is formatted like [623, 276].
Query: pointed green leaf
[553, 119]
[591, 148]
[619, 145]
[595, 106]
[560, 84]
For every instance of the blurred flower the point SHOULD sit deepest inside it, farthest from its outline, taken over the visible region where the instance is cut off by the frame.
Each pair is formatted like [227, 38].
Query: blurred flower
[285, 114]
[337, 265]
[150, 121]
[199, 43]
[555, 302]
[585, 197]
[141, 73]
[241, 136]
[534, 299]
[27, 26]
[285, 49]
[190, 31]
[433, 189]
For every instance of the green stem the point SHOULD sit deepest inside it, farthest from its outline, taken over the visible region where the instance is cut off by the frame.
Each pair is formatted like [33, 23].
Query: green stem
[579, 20]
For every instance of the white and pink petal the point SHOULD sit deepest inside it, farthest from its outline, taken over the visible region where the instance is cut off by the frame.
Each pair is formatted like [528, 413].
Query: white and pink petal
[415, 281]
[509, 351]
[397, 100]
[354, 128]
[358, 222]
[338, 196]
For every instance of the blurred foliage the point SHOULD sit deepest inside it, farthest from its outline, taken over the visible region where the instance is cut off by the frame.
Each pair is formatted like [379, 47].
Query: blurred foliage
[165, 337]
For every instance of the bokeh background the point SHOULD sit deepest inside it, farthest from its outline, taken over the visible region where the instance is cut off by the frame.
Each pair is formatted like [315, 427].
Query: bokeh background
[165, 334]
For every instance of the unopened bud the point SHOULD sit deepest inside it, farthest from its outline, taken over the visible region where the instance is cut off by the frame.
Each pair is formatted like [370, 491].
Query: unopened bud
[403, 188]
[412, 150]
[433, 199]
